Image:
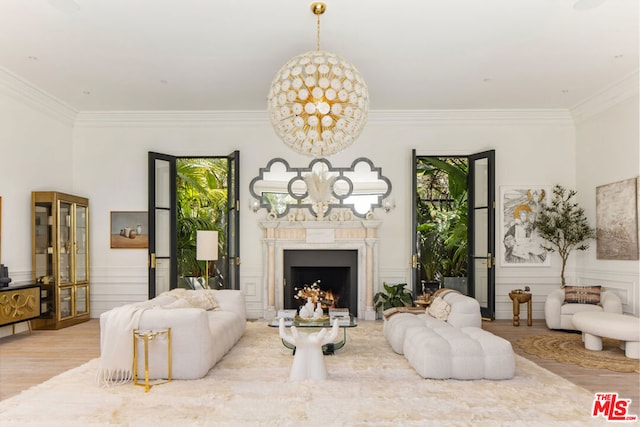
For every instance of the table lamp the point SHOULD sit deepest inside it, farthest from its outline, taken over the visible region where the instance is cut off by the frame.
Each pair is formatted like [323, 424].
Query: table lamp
[206, 250]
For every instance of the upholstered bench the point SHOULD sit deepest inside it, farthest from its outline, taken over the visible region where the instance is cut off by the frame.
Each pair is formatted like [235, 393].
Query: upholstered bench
[467, 353]
[596, 325]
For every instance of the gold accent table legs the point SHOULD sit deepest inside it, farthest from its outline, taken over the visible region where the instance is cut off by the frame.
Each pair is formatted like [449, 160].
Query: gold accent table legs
[147, 336]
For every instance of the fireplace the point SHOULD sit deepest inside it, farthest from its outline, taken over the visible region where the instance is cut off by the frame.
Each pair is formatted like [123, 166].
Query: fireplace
[359, 237]
[334, 272]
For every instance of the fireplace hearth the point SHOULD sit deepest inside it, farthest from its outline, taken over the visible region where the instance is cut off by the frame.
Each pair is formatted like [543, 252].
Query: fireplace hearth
[333, 271]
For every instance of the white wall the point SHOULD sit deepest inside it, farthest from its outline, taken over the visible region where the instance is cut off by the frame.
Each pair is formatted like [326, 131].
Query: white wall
[108, 160]
[35, 155]
[608, 150]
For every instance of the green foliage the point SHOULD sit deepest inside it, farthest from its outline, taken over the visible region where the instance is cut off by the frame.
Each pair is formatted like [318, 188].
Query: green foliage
[393, 296]
[442, 206]
[563, 224]
[201, 205]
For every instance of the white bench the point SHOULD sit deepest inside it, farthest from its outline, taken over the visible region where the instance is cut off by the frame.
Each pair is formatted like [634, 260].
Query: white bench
[621, 327]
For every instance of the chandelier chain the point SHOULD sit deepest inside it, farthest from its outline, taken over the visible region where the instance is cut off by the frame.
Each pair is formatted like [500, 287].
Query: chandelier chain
[318, 32]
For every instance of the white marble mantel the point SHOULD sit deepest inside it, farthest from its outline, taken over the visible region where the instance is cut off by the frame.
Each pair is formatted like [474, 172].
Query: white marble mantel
[360, 235]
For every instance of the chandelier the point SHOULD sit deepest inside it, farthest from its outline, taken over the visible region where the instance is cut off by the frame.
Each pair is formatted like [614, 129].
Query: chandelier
[318, 102]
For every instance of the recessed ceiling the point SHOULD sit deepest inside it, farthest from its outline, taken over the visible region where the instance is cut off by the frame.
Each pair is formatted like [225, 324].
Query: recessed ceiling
[223, 54]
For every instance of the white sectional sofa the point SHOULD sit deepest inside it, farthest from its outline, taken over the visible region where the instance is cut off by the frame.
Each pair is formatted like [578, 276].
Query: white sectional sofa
[456, 347]
[200, 337]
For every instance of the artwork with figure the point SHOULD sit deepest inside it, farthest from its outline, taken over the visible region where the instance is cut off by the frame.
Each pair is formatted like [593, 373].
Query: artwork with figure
[521, 246]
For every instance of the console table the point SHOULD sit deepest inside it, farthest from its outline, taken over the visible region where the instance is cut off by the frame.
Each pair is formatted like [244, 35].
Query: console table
[19, 304]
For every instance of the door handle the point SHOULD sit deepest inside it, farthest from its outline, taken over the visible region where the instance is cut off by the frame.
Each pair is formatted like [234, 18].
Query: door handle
[152, 260]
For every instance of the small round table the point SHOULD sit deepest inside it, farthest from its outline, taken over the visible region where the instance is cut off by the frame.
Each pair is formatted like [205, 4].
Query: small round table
[520, 298]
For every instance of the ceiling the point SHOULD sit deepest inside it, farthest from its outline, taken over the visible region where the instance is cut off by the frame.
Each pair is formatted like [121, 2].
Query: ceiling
[414, 55]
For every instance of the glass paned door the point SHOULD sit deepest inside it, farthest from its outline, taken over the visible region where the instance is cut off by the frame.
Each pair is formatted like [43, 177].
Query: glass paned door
[81, 253]
[64, 238]
[65, 302]
[233, 220]
[162, 223]
[482, 230]
[82, 298]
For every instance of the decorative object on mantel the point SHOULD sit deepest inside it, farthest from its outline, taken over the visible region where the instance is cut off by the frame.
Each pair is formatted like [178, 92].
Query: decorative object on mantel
[318, 102]
[617, 220]
[321, 189]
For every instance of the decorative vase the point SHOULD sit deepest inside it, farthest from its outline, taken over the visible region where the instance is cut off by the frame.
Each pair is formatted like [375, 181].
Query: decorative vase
[138, 229]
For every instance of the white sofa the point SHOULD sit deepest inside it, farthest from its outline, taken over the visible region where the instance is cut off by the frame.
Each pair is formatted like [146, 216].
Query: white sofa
[558, 315]
[200, 338]
[455, 348]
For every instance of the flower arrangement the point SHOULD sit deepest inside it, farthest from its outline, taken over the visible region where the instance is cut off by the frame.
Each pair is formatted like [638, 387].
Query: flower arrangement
[315, 294]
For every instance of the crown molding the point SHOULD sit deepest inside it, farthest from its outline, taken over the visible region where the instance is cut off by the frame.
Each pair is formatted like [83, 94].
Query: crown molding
[607, 98]
[376, 117]
[168, 118]
[471, 117]
[22, 90]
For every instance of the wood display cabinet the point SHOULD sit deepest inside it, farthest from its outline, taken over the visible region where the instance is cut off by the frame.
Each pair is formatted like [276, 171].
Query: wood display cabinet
[60, 258]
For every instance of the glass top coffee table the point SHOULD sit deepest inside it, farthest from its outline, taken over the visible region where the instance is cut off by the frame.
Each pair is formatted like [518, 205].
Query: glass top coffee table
[318, 324]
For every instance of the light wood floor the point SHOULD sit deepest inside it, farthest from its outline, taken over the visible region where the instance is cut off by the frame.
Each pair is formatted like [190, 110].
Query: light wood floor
[27, 360]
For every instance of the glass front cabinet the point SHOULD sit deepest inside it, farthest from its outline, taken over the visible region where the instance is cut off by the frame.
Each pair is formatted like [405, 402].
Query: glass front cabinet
[60, 258]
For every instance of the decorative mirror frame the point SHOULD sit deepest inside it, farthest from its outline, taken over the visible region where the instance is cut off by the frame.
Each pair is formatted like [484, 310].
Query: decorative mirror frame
[338, 197]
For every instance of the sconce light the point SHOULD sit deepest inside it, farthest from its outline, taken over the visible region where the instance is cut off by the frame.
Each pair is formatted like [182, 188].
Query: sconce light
[206, 250]
[254, 205]
[388, 205]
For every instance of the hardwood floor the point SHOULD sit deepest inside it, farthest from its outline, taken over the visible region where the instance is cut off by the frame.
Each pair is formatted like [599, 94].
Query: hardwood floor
[27, 360]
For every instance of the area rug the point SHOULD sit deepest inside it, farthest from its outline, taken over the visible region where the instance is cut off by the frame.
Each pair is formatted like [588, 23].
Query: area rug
[569, 348]
[368, 385]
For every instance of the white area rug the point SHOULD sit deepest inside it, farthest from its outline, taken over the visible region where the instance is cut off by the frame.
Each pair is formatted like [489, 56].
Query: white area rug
[368, 385]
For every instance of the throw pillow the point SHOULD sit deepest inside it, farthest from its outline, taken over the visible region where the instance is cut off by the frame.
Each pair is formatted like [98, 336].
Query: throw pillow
[179, 303]
[201, 298]
[582, 294]
[439, 309]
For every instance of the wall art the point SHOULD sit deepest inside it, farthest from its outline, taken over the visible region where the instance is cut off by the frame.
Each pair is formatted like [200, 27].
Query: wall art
[617, 220]
[129, 230]
[520, 245]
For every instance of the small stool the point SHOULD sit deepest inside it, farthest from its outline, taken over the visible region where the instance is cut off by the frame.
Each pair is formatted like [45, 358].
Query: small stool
[520, 298]
[147, 336]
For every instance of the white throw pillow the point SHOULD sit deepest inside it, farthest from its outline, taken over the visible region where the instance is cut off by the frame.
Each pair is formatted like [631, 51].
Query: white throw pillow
[439, 309]
[202, 298]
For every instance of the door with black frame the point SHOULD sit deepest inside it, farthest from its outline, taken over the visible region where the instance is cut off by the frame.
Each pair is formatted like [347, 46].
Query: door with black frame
[453, 216]
[187, 194]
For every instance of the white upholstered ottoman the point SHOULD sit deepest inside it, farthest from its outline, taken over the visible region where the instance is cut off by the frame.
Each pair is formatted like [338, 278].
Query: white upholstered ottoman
[595, 325]
[467, 353]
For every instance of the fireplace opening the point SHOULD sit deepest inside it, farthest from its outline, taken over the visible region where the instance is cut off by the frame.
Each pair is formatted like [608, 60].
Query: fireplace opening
[334, 271]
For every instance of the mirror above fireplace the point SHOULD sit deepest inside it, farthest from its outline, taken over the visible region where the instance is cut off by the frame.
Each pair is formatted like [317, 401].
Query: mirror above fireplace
[320, 188]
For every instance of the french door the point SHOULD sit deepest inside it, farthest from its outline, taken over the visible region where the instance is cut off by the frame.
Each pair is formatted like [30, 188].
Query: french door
[163, 263]
[480, 230]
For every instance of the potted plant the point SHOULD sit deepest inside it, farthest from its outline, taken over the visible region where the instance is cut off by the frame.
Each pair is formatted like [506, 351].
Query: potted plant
[393, 296]
[563, 225]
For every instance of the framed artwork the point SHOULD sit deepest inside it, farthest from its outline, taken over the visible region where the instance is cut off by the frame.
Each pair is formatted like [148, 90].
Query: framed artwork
[617, 220]
[129, 230]
[519, 243]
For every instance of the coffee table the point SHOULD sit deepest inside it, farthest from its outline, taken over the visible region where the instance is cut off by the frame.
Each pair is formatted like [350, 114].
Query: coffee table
[317, 324]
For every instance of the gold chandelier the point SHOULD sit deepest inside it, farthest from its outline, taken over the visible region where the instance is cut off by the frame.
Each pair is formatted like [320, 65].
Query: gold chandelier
[318, 102]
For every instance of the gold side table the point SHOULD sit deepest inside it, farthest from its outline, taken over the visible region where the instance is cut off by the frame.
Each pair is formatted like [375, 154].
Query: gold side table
[521, 298]
[147, 336]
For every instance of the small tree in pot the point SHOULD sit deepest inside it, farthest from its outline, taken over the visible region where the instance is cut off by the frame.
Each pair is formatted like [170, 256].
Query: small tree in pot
[564, 226]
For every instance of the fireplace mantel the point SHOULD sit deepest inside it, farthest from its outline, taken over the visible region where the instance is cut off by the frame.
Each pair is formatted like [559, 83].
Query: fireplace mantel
[360, 235]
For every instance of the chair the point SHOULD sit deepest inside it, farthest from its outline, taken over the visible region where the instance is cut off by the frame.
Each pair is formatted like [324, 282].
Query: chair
[558, 315]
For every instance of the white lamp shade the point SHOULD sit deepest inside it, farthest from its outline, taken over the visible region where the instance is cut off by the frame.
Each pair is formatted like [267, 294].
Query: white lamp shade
[206, 245]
